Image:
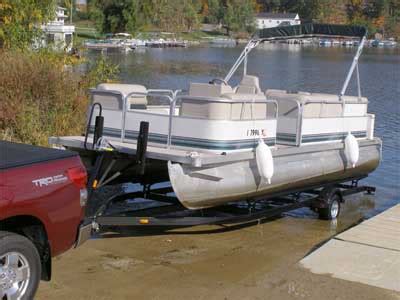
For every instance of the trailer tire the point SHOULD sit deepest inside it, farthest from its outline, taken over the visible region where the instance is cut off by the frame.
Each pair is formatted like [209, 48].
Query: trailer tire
[26, 264]
[332, 209]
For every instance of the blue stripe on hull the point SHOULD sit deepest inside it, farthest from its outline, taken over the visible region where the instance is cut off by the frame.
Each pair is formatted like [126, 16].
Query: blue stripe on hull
[229, 145]
[189, 142]
[288, 137]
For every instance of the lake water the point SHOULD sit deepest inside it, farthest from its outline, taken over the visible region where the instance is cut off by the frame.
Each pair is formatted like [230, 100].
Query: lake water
[291, 67]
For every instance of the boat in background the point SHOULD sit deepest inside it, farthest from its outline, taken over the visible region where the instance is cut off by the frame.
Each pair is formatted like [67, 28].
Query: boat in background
[223, 42]
[384, 43]
[348, 43]
[119, 41]
[325, 43]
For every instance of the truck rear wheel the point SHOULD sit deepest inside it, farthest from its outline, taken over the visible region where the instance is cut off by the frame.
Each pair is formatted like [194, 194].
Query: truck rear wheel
[20, 267]
[332, 209]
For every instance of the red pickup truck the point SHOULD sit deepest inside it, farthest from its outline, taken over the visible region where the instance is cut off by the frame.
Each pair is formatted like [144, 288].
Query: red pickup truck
[42, 207]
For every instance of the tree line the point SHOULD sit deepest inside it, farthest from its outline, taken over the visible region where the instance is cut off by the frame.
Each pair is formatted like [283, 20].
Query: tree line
[171, 16]
[19, 19]
[238, 15]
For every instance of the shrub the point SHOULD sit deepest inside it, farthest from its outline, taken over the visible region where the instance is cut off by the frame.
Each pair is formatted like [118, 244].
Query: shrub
[40, 95]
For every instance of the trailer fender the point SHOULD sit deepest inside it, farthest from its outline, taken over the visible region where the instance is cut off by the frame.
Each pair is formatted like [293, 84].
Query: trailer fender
[322, 201]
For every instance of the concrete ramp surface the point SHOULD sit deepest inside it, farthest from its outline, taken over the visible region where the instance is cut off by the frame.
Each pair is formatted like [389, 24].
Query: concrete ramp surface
[368, 253]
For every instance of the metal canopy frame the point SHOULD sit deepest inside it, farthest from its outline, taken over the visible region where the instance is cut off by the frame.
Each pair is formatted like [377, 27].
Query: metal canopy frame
[255, 41]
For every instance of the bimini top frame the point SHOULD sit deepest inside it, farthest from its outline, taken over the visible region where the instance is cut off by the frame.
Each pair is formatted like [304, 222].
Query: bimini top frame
[308, 30]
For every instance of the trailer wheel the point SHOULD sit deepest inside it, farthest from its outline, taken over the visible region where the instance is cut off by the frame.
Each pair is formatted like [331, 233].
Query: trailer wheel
[20, 267]
[332, 209]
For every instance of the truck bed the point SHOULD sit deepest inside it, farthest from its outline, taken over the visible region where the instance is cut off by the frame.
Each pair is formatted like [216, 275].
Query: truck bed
[15, 154]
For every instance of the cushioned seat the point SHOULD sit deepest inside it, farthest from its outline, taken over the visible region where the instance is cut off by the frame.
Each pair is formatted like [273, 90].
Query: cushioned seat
[232, 110]
[208, 89]
[241, 97]
[249, 85]
[134, 101]
[235, 109]
[318, 105]
[314, 97]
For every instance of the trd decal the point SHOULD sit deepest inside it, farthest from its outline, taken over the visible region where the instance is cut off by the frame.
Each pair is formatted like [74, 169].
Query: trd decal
[46, 181]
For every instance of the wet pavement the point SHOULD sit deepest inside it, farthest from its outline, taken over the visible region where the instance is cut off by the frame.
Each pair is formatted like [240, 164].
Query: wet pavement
[259, 261]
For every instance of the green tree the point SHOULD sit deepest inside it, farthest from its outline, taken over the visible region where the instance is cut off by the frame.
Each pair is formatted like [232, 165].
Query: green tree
[95, 14]
[274, 5]
[307, 9]
[20, 21]
[239, 16]
[215, 12]
[130, 14]
[374, 8]
[191, 10]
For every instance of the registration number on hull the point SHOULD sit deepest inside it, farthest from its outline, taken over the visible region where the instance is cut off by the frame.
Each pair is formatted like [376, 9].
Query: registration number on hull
[257, 132]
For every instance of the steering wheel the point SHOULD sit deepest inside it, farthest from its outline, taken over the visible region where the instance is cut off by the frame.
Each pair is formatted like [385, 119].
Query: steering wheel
[218, 80]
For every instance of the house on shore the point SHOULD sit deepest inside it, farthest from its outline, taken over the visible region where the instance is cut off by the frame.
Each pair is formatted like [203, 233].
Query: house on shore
[57, 34]
[268, 20]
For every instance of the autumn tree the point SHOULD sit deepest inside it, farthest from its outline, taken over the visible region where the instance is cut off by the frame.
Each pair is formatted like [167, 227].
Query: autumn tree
[20, 21]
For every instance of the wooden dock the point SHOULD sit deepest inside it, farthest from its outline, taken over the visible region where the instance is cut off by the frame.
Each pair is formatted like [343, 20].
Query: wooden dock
[368, 253]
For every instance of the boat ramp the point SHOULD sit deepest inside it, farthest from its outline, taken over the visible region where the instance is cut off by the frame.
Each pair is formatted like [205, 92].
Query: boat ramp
[368, 253]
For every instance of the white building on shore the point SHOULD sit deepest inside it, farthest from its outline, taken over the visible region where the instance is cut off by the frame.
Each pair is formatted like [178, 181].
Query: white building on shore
[268, 20]
[57, 34]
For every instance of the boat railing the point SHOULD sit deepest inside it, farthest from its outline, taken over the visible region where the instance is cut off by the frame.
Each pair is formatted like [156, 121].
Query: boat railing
[232, 101]
[170, 95]
[300, 105]
[173, 97]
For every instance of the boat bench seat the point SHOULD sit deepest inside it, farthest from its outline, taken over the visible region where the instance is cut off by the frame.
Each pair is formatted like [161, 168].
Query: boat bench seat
[134, 101]
[197, 108]
[208, 89]
[317, 105]
[233, 109]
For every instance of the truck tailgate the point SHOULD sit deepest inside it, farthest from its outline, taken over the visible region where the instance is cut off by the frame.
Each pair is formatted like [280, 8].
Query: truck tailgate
[15, 154]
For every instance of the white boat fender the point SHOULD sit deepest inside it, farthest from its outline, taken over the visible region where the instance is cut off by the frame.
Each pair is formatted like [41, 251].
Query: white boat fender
[265, 161]
[351, 148]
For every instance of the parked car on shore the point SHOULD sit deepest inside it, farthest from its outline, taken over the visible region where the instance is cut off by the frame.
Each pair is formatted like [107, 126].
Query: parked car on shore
[42, 207]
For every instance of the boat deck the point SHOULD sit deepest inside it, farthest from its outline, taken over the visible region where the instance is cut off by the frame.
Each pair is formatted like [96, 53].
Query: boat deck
[368, 253]
[160, 152]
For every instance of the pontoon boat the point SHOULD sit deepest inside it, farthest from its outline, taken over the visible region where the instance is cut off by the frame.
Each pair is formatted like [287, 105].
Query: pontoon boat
[218, 143]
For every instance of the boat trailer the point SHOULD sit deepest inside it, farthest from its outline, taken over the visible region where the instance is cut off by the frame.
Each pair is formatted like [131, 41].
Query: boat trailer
[160, 208]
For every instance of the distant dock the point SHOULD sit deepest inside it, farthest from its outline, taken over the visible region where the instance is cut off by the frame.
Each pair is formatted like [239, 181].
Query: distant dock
[368, 253]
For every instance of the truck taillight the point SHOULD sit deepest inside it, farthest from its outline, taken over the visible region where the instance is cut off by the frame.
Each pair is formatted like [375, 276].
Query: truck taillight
[83, 197]
[78, 176]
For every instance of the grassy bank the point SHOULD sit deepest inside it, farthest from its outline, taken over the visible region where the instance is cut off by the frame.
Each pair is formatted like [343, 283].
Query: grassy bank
[41, 95]
[86, 30]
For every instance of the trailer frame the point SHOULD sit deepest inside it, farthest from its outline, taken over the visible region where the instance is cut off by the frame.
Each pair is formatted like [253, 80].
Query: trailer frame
[164, 210]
